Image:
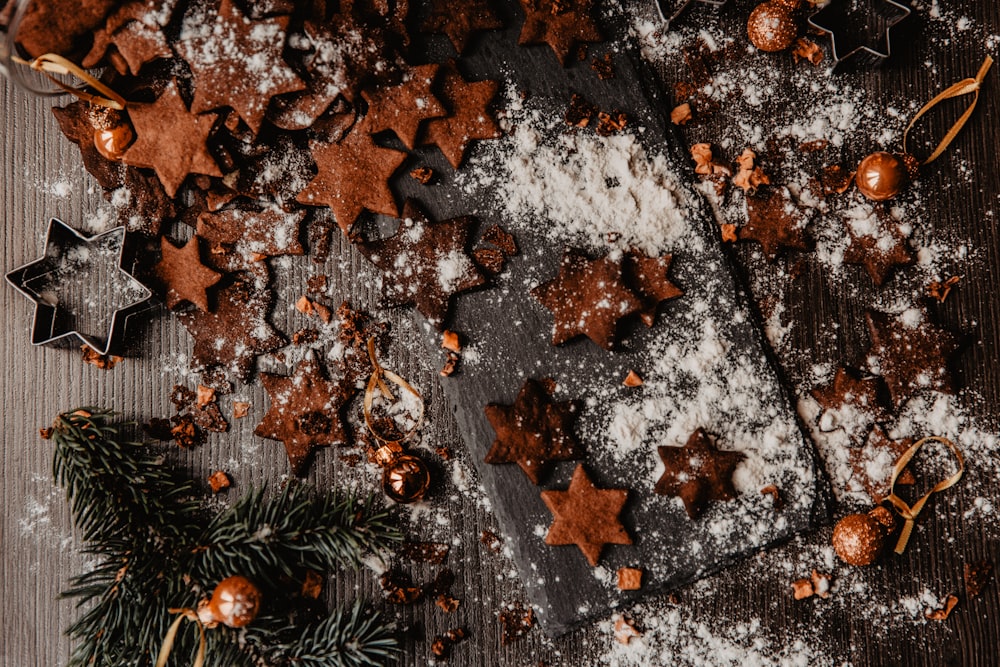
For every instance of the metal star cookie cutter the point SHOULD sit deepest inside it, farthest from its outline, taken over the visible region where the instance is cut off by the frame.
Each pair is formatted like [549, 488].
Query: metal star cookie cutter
[80, 288]
[867, 42]
[669, 17]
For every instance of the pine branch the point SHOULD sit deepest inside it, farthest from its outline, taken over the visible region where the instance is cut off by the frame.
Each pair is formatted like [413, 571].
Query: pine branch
[298, 529]
[359, 637]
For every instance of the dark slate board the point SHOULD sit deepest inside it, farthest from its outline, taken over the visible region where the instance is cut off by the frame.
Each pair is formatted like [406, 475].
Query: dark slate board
[511, 334]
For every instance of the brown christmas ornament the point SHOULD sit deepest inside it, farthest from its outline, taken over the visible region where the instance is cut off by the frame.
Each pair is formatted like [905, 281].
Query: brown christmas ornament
[881, 176]
[111, 142]
[772, 27]
[406, 479]
[859, 538]
[235, 603]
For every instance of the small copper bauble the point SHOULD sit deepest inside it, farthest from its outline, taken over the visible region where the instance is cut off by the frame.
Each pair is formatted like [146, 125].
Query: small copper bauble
[771, 27]
[111, 142]
[235, 603]
[859, 538]
[406, 479]
[882, 175]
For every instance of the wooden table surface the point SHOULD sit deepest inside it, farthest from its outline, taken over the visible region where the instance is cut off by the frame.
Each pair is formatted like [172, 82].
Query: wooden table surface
[42, 176]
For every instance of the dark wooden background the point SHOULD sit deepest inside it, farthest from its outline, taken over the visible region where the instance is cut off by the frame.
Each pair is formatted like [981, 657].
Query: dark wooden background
[42, 176]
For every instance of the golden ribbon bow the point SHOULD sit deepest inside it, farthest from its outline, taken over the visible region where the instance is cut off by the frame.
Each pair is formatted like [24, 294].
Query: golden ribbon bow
[376, 381]
[51, 63]
[963, 87]
[168, 641]
[906, 511]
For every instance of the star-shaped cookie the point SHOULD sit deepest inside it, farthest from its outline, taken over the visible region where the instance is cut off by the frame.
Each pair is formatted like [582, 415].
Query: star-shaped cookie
[850, 402]
[305, 412]
[697, 473]
[586, 516]
[424, 264]
[403, 106]
[533, 432]
[878, 246]
[873, 464]
[588, 297]
[774, 221]
[241, 236]
[186, 278]
[647, 276]
[236, 332]
[171, 140]
[135, 30]
[235, 61]
[470, 117]
[562, 24]
[459, 19]
[911, 353]
[353, 176]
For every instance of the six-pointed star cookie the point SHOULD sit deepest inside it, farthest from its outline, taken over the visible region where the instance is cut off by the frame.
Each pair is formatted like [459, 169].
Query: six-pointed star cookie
[236, 332]
[774, 221]
[697, 473]
[562, 24]
[586, 516]
[236, 62]
[648, 277]
[186, 278]
[425, 263]
[459, 19]
[533, 432]
[305, 412]
[171, 140]
[404, 106]
[470, 117]
[911, 353]
[353, 176]
[588, 297]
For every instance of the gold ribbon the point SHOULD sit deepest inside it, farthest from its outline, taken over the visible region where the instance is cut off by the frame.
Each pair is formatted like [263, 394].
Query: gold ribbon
[963, 87]
[168, 641]
[906, 511]
[376, 381]
[51, 63]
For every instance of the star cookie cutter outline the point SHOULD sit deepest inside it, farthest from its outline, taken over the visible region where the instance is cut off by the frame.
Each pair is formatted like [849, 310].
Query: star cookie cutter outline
[671, 17]
[47, 327]
[890, 12]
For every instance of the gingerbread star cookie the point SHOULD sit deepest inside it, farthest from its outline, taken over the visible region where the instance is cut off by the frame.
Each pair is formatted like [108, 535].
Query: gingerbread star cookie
[562, 24]
[647, 276]
[402, 107]
[588, 298]
[353, 176]
[533, 432]
[171, 140]
[873, 464]
[236, 62]
[586, 516]
[424, 264]
[241, 236]
[305, 412]
[850, 402]
[186, 278]
[774, 221]
[879, 246]
[459, 19]
[132, 36]
[236, 332]
[697, 473]
[470, 118]
[911, 353]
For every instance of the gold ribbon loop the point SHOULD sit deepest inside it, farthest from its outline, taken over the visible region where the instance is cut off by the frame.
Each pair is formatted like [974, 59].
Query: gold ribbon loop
[51, 63]
[906, 511]
[963, 87]
[168, 641]
[377, 380]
